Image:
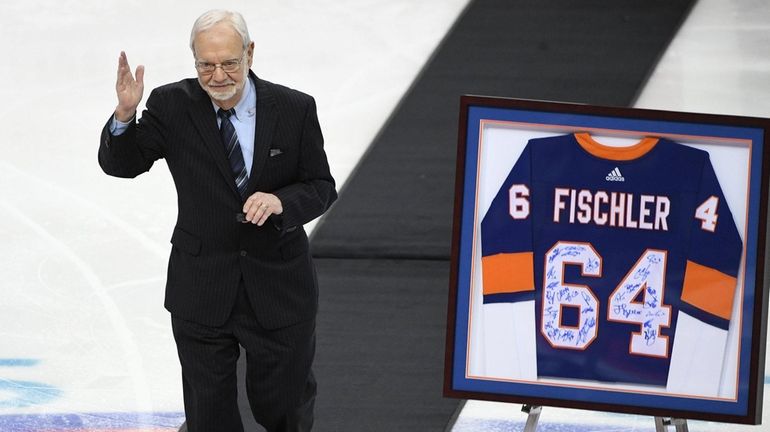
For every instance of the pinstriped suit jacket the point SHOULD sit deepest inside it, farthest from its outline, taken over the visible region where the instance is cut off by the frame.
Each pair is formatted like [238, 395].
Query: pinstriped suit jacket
[211, 251]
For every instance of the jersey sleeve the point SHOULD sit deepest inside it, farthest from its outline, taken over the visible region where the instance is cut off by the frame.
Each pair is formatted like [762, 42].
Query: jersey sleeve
[506, 238]
[713, 256]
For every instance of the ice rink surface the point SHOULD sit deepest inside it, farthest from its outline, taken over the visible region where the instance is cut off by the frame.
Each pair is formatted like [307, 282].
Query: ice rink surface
[84, 340]
[85, 343]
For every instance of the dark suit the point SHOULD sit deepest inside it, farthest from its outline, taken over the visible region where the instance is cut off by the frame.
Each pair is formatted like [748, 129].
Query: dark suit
[216, 260]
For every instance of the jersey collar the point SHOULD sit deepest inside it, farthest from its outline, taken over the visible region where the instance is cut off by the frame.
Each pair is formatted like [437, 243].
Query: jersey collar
[625, 153]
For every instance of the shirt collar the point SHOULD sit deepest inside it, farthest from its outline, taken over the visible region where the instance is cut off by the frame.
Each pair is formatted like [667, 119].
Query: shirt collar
[247, 106]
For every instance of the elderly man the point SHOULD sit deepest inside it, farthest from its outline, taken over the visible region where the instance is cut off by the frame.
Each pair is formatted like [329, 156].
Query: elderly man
[249, 167]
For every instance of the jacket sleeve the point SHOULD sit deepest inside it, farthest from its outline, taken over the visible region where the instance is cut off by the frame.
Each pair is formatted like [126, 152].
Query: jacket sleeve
[314, 191]
[134, 151]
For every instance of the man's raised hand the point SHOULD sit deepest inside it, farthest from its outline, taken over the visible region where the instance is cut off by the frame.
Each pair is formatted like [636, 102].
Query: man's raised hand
[129, 90]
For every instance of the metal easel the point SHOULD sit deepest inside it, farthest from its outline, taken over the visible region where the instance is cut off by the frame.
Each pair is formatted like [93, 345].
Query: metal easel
[661, 423]
[533, 412]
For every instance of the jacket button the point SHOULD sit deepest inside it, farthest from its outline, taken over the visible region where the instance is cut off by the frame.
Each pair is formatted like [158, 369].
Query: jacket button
[244, 253]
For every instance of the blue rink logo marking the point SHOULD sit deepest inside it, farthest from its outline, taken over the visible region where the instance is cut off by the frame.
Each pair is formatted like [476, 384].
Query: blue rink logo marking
[92, 422]
[22, 393]
[15, 393]
[18, 362]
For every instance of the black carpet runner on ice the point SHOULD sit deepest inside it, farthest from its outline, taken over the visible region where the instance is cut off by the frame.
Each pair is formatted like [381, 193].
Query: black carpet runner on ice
[383, 250]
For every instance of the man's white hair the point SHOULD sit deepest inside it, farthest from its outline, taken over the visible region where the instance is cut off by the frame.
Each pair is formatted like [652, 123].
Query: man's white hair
[214, 17]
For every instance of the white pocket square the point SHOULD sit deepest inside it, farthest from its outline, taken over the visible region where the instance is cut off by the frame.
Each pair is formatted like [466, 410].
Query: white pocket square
[275, 152]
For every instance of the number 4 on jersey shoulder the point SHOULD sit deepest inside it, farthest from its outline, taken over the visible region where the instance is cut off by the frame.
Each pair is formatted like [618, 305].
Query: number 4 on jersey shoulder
[707, 213]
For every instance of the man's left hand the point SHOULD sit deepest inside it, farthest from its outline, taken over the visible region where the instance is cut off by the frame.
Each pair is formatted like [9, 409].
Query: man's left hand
[260, 206]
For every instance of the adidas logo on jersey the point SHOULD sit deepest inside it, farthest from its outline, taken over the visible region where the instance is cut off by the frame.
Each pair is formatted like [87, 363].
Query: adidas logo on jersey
[615, 175]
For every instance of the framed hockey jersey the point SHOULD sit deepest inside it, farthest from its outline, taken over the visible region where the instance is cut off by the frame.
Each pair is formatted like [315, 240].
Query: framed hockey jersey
[609, 259]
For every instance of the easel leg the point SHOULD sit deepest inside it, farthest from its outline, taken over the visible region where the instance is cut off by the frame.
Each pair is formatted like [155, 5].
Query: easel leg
[662, 424]
[534, 416]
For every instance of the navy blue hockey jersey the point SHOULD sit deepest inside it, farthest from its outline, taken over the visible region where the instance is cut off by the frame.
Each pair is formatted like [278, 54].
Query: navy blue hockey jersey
[612, 243]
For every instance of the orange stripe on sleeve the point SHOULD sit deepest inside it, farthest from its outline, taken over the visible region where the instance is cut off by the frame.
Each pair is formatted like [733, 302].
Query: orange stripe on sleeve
[508, 273]
[708, 289]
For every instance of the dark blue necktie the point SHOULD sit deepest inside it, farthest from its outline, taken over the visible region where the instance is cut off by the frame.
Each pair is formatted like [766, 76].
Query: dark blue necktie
[233, 150]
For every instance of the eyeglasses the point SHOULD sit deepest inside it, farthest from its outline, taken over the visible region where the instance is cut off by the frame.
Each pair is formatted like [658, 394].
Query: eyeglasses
[227, 66]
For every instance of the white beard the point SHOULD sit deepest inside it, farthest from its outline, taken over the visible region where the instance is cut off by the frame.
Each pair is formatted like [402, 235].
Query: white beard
[221, 95]
[230, 92]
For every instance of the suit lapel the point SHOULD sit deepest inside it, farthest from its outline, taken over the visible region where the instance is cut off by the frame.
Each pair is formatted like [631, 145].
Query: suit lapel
[263, 136]
[205, 121]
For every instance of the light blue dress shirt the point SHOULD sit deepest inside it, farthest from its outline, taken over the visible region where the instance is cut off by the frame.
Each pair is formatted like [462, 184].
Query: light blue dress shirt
[244, 121]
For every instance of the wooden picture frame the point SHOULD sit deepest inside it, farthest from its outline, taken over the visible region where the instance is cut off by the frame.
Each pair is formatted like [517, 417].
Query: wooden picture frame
[493, 345]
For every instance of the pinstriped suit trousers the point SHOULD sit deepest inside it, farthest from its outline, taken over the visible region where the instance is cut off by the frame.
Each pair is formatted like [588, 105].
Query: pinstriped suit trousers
[280, 384]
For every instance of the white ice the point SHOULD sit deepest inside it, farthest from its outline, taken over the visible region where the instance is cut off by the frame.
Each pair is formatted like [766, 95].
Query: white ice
[83, 255]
